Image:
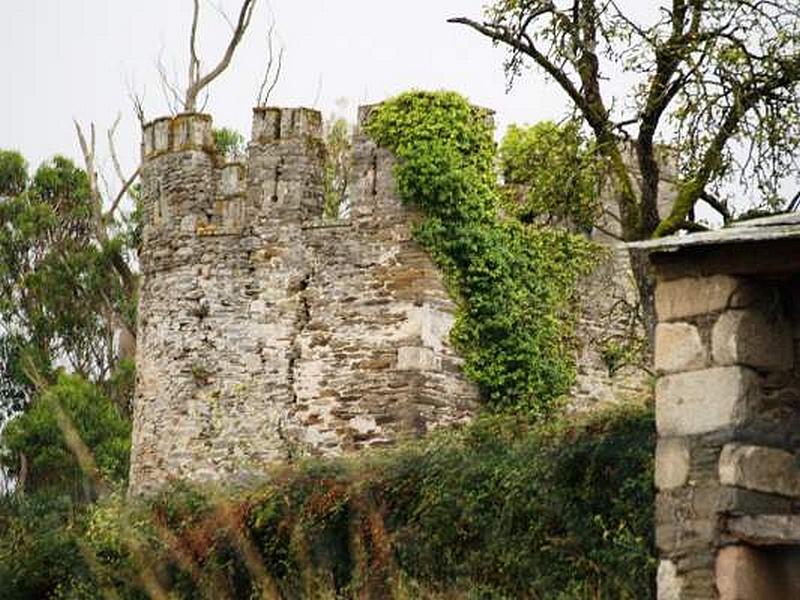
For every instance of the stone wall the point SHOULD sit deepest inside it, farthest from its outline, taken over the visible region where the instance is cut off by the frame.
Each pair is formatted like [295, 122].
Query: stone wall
[612, 361]
[266, 332]
[613, 358]
[728, 420]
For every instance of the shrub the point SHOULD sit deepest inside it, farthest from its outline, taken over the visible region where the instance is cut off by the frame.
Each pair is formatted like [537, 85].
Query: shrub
[65, 426]
[502, 509]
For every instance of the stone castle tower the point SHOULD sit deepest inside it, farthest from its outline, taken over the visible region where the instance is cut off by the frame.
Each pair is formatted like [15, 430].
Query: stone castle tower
[266, 332]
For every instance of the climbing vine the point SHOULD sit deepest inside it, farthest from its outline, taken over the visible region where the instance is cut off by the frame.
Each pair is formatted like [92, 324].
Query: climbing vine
[514, 282]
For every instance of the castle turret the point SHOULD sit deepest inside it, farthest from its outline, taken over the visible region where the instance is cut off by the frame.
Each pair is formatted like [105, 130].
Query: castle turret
[207, 384]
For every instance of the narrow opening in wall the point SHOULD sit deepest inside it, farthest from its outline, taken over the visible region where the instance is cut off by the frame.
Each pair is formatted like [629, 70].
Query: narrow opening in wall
[338, 139]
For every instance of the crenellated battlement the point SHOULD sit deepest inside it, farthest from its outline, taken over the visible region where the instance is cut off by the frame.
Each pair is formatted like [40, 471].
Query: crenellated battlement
[190, 191]
[187, 131]
[271, 124]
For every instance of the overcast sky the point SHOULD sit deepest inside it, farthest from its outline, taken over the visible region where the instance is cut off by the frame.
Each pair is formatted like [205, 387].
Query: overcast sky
[65, 59]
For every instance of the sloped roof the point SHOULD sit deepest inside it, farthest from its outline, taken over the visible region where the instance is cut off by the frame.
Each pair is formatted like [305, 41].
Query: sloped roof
[776, 227]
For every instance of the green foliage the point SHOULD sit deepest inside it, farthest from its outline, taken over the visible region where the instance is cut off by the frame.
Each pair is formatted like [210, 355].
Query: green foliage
[38, 546]
[13, 173]
[57, 280]
[716, 81]
[502, 509]
[131, 224]
[230, 144]
[47, 441]
[61, 183]
[14, 386]
[337, 166]
[551, 174]
[515, 281]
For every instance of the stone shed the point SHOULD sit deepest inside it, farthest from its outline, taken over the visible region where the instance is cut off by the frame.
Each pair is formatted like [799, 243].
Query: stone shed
[728, 411]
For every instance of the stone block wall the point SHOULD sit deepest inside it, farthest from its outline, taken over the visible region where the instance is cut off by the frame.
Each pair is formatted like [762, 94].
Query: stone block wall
[610, 321]
[728, 420]
[266, 332]
[613, 361]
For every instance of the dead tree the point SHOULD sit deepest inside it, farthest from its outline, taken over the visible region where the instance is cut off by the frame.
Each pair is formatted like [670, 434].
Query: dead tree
[102, 219]
[273, 69]
[197, 81]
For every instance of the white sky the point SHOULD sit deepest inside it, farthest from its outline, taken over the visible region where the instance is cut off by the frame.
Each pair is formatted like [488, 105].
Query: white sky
[65, 59]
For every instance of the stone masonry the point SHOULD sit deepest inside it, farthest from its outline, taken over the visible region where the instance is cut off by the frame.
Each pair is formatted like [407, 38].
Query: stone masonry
[610, 317]
[727, 465]
[266, 332]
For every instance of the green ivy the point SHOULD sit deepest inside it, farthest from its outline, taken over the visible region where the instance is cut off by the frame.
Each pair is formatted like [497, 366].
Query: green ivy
[551, 174]
[514, 281]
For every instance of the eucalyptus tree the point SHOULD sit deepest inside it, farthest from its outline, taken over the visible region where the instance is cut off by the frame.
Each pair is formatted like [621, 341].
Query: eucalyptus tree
[66, 282]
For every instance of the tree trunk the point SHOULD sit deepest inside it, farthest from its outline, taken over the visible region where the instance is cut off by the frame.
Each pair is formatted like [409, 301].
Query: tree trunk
[646, 286]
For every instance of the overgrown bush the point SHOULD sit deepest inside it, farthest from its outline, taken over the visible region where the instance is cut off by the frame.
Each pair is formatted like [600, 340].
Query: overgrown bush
[39, 546]
[502, 509]
[71, 437]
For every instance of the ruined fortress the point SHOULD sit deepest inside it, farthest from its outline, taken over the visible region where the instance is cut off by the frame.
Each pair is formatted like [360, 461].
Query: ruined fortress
[267, 332]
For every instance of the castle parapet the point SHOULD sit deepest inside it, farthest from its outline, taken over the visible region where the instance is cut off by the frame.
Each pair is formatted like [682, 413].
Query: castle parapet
[188, 131]
[271, 124]
[286, 165]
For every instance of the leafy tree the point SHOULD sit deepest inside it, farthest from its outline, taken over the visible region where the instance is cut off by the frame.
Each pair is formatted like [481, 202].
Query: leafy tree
[337, 166]
[61, 294]
[13, 389]
[717, 80]
[720, 73]
[550, 174]
[230, 144]
[72, 438]
[13, 173]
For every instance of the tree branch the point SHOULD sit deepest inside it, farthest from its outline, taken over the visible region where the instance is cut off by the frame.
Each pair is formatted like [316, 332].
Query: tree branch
[198, 83]
[501, 34]
[267, 86]
[745, 97]
[120, 195]
[88, 150]
[717, 204]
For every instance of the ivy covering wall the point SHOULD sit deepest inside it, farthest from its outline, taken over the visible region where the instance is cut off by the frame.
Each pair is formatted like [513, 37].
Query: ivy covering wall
[514, 281]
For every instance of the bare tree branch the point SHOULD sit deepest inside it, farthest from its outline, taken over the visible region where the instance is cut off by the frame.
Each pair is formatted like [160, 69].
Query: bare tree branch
[136, 99]
[270, 78]
[194, 61]
[112, 149]
[88, 150]
[718, 205]
[99, 219]
[197, 82]
[126, 186]
[171, 93]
